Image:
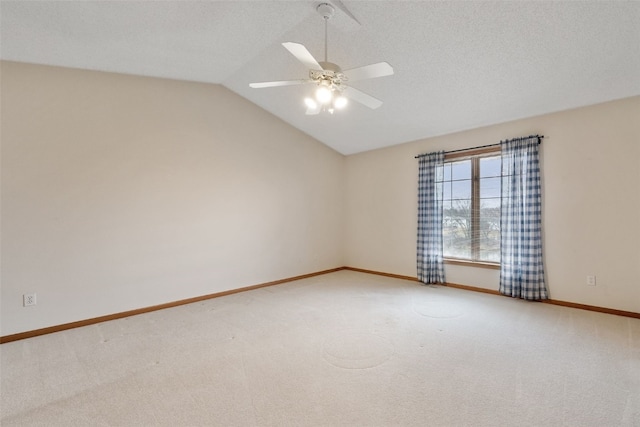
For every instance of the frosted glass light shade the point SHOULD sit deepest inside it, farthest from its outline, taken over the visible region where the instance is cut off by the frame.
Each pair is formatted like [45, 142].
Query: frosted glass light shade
[323, 95]
[340, 102]
[310, 103]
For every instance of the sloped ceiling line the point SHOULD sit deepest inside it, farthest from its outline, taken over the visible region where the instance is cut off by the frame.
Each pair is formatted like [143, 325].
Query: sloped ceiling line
[458, 65]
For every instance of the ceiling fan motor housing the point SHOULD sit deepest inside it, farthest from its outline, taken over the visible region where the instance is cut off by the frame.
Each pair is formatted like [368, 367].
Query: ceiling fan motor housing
[331, 75]
[330, 66]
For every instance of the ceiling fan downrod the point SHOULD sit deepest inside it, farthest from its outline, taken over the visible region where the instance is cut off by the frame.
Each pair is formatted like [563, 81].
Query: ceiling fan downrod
[326, 11]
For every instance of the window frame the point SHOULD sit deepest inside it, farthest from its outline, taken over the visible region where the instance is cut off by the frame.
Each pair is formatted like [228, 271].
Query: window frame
[474, 155]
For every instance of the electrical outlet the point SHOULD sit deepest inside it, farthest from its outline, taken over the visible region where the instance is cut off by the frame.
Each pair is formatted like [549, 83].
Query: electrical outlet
[28, 299]
[591, 280]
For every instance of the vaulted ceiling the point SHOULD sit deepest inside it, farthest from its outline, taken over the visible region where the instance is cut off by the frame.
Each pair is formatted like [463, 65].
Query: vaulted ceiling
[458, 65]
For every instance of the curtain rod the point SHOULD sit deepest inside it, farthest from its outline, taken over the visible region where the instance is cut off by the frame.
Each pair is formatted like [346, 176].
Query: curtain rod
[488, 145]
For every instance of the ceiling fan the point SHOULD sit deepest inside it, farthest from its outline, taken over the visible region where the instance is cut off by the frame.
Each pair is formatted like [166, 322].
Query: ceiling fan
[332, 91]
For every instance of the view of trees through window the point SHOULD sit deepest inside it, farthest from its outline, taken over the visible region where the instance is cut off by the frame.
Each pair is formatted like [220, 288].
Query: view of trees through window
[471, 208]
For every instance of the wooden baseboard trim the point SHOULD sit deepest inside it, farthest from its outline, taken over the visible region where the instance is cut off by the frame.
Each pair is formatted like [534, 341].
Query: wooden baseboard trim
[495, 292]
[473, 288]
[594, 308]
[92, 321]
[129, 313]
[380, 273]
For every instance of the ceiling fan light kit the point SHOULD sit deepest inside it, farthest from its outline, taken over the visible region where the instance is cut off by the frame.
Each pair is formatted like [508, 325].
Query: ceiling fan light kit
[331, 92]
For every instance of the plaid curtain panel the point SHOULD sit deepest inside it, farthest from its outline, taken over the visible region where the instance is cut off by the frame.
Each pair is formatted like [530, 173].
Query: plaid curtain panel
[521, 268]
[430, 265]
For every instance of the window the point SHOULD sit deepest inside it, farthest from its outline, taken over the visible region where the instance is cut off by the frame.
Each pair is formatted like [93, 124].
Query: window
[471, 206]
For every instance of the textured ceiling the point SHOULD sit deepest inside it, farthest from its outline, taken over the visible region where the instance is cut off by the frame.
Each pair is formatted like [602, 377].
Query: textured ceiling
[458, 65]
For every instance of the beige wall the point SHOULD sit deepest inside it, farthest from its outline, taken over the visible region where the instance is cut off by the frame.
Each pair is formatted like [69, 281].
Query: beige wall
[591, 179]
[122, 192]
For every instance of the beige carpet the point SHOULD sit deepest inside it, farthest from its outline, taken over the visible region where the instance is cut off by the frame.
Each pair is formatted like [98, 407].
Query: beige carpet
[346, 349]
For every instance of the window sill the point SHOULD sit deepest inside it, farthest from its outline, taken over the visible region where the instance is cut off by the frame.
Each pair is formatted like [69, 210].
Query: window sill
[467, 263]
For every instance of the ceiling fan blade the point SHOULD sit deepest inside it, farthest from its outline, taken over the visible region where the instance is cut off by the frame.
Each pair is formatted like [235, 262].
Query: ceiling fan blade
[362, 98]
[280, 83]
[372, 71]
[342, 7]
[302, 54]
